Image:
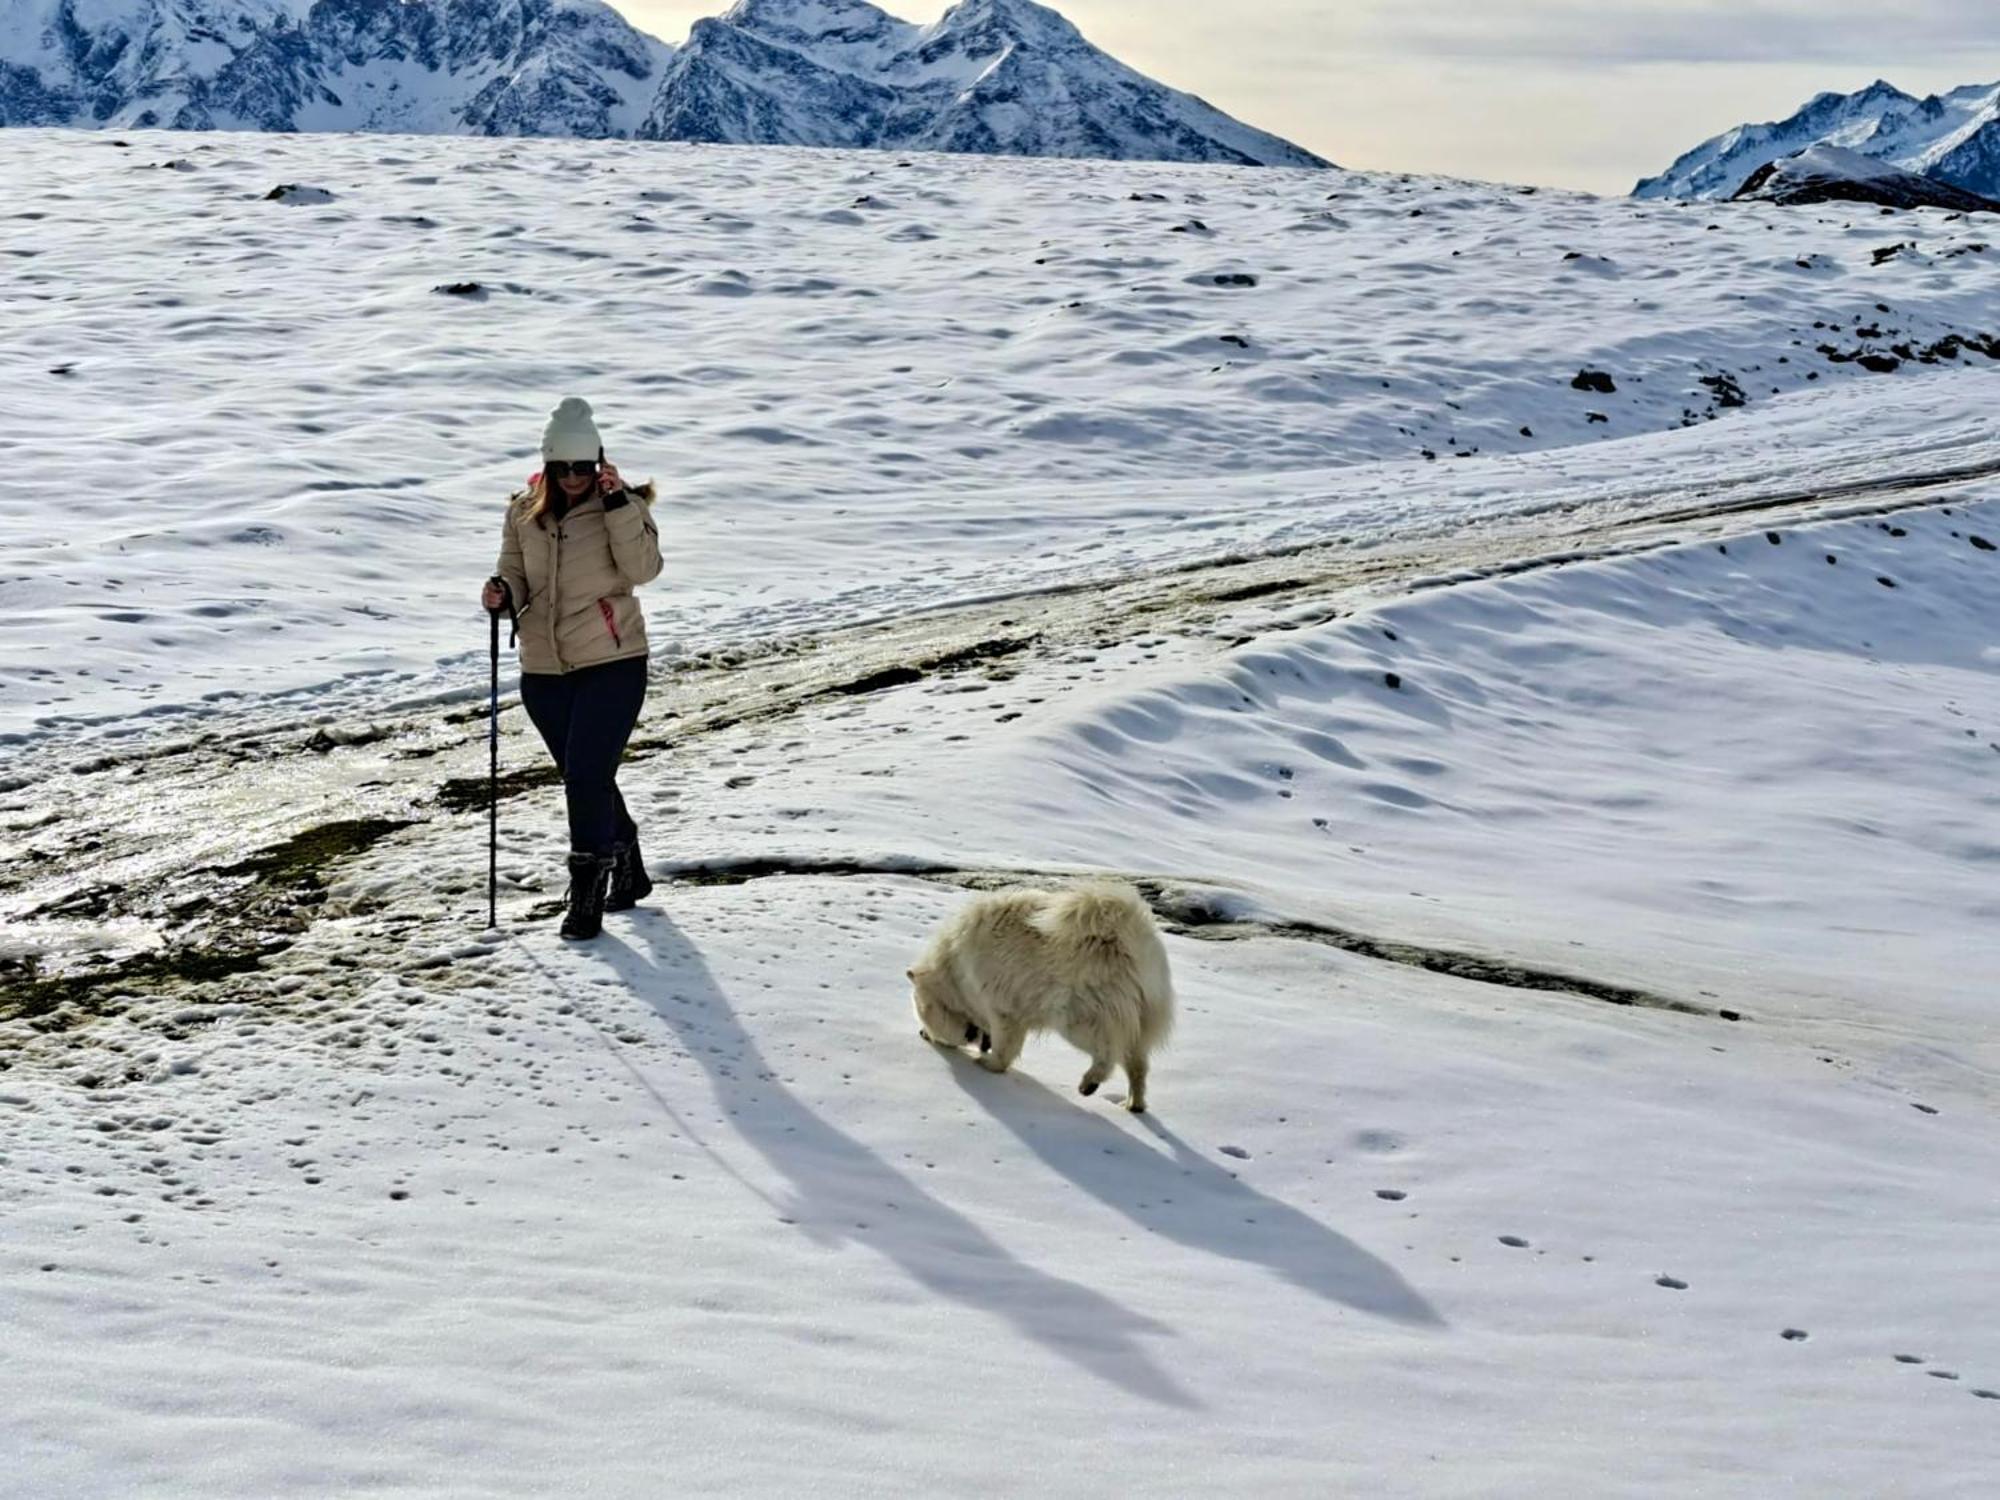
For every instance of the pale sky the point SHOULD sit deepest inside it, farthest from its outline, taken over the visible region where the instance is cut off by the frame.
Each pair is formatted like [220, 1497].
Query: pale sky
[1589, 94]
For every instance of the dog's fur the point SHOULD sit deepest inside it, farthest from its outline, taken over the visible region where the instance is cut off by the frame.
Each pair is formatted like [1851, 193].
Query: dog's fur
[1085, 963]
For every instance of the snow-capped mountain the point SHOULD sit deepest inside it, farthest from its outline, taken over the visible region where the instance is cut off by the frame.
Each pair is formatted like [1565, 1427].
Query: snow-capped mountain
[1833, 174]
[489, 67]
[990, 76]
[1951, 138]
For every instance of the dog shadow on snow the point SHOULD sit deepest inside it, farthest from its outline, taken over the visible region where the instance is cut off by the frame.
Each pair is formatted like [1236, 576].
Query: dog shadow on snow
[1183, 1196]
[841, 1192]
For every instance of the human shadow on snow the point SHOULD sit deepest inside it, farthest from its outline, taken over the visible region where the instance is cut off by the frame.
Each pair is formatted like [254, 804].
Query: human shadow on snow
[838, 1184]
[1183, 1196]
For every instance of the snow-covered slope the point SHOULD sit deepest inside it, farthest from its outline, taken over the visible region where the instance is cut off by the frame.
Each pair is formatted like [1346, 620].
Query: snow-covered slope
[412, 1209]
[1761, 774]
[1953, 138]
[312, 1185]
[865, 387]
[1833, 174]
[991, 76]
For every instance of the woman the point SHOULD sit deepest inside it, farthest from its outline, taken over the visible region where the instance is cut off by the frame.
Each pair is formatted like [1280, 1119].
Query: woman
[576, 543]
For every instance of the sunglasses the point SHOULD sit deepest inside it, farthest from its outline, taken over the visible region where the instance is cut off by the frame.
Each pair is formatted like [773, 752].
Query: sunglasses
[584, 468]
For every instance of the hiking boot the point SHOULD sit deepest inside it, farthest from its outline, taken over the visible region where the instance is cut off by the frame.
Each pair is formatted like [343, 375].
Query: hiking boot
[588, 876]
[630, 884]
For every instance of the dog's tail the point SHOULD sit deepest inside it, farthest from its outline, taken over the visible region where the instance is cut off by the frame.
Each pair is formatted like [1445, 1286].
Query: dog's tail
[1104, 913]
[1109, 920]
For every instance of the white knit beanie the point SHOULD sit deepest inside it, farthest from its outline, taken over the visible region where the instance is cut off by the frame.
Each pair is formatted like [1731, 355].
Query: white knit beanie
[571, 436]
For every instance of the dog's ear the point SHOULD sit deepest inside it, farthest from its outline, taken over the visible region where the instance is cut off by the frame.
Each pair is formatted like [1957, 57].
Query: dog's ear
[911, 975]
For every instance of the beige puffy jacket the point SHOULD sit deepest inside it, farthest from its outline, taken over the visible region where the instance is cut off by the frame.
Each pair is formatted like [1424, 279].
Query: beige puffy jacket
[571, 581]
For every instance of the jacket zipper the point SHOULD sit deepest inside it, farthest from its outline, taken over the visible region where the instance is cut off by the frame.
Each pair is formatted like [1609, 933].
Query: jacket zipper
[603, 605]
[555, 581]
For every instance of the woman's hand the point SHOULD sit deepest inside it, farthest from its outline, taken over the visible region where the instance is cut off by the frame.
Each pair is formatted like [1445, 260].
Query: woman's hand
[495, 595]
[608, 482]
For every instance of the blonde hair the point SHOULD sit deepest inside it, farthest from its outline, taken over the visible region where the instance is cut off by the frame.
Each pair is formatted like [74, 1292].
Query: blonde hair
[537, 496]
[537, 493]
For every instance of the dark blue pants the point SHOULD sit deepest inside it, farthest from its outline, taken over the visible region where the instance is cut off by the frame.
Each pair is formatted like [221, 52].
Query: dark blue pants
[585, 717]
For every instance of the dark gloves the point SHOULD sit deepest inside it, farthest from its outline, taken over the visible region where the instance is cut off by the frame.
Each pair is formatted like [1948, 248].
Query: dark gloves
[618, 501]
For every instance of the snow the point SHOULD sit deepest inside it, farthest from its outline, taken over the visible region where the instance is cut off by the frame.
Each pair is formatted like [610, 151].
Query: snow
[865, 388]
[1824, 173]
[1938, 137]
[852, 33]
[398, 94]
[1819, 842]
[984, 78]
[1835, 161]
[573, 67]
[695, 1209]
[802, 72]
[408, 1206]
[699, 1215]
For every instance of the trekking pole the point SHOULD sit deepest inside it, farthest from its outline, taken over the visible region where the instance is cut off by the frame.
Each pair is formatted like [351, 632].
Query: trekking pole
[493, 778]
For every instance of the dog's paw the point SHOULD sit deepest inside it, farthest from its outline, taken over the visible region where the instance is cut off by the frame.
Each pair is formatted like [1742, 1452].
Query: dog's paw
[1087, 1087]
[1137, 1106]
[992, 1064]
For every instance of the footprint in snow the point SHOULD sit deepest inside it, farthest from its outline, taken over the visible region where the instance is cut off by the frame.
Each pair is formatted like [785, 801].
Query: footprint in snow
[1671, 1283]
[1236, 1151]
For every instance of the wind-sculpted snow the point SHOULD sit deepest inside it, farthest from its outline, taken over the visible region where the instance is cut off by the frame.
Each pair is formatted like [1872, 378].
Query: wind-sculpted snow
[313, 1186]
[265, 395]
[1772, 755]
[990, 76]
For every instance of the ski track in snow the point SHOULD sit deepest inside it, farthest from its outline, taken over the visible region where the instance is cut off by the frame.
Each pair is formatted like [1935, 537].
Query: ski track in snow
[408, 1208]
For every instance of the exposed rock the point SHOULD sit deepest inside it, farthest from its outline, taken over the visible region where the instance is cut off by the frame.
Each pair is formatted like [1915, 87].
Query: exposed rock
[1831, 174]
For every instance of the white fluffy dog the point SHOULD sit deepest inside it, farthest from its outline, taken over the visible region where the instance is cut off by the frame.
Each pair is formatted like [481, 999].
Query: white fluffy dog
[1086, 963]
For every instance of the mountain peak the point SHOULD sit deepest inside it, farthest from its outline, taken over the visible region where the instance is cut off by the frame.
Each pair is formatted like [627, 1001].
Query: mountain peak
[806, 18]
[988, 76]
[1943, 138]
[1024, 17]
